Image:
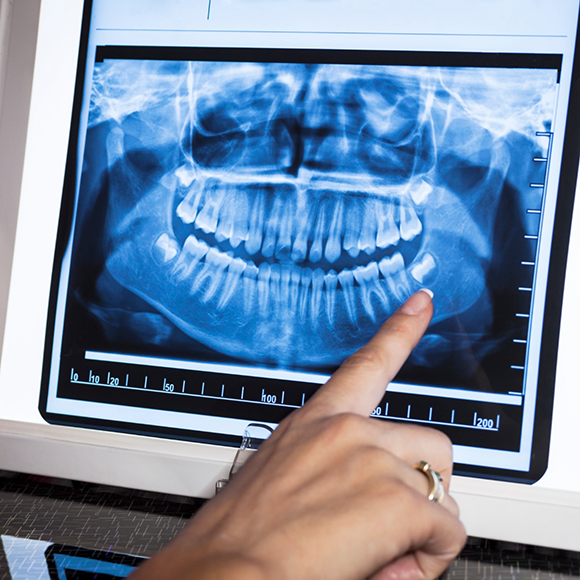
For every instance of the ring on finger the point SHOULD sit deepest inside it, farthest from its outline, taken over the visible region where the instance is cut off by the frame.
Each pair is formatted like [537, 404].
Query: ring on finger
[436, 489]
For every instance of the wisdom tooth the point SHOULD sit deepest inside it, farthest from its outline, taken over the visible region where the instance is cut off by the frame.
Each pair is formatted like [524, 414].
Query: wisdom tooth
[284, 246]
[410, 225]
[269, 245]
[316, 249]
[233, 276]
[393, 269]
[305, 279]
[165, 249]
[346, 279]
[213, 270]
[185, 174]
[254, 241]
[249, 284]
[424, 269]
[315, 303]
[419, 192]
[207, 218]
[368, 280]
[367, 240]
[333, 250]
[263, 287]
[330, 282]
[191, 254]
[187, 209]
[387, 232]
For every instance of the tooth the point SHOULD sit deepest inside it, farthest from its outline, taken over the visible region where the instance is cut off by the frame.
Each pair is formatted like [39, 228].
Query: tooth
[346, 279]
[387, 232]
[295, 275]
[242, 210]
[165, 249]
[300, 247]
[330, 282]
[227, 219]
[315, 302]
[275, 276]
[263, 287]
[249, 281]
[191, 254]
[368, 280]
[410, 225]
[187, 209]
[305, 279]
[254, 241]
[367, 240]
[393, 269]
[185, 174]
[207, 218]
[213, 270]
[424, 269]
[352, 222]
[333, 249]
[233, 276]
[272, 223]
[285, 276]
[419, 192]
[316, 249]
[284, 247]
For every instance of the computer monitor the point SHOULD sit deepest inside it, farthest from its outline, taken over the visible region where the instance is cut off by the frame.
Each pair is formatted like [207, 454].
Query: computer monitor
[221, 201]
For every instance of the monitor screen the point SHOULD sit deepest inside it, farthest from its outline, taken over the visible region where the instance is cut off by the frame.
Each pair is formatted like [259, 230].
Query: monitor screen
[237, 196]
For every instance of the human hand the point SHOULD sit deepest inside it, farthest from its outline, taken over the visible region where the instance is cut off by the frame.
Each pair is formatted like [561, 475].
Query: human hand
[332, 493]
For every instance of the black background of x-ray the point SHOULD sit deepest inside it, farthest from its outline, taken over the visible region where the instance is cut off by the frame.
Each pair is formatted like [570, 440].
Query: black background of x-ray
[548, 357]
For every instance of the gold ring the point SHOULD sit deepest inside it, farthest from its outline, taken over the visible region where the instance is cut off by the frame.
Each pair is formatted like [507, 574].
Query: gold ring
[436, 489]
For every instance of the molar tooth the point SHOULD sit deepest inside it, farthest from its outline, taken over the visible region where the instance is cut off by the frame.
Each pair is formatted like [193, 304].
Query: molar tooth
[346, 279]
[367, 240]
[300, 247]
[330, 282]
[333, 250]
[263, 287]
[233, 276]
[249, 277]
[254, 242]
[165, 249]
[352, 232]
[387, 231]
[187, 209]
[284, 246]
[185, 174]
[213, 270]
[305, 279]
[424, 269]
[227, 218]
[316, 300]
[411, 227]
[420, 191]
[368, 280]
[393, 269]
[207, 218]
[272, 223]
[242, 211]
[316, 249]
[191, 254]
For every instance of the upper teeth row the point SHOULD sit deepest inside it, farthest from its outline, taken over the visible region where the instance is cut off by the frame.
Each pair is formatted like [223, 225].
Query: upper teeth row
[294, 227]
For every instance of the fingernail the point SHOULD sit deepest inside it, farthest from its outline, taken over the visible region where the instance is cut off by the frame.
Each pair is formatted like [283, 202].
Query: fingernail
[418, 302]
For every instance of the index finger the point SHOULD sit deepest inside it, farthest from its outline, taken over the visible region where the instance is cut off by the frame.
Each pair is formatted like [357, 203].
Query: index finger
[360, 382]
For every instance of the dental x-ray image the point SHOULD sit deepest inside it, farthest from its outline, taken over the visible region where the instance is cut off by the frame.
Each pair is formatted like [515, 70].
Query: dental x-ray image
[276, 213]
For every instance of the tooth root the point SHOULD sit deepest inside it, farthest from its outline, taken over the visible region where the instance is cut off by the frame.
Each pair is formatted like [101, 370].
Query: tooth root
[387, 231]
[191, 254]
[330, 283]
[333, 250]
[368, 280]
[352, 220]
[275, 290]
[249, 280]
[213, 271]
[424, 269]
[285, 287]
[346, 279]
[235, 271]
[242, 211]
[300, 247]
[188, 208]
[165, 249]
[207, 218]
[410, 224]
[284, 246]
[316, 300]
[272, 224]
[305, 280]
[254, 242]
[263, 288]
[316, 249]
[225, 229]
[393, 269]
[367, 240]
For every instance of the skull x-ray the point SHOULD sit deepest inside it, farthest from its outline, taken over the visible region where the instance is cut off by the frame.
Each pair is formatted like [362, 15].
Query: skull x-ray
[278, 213]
